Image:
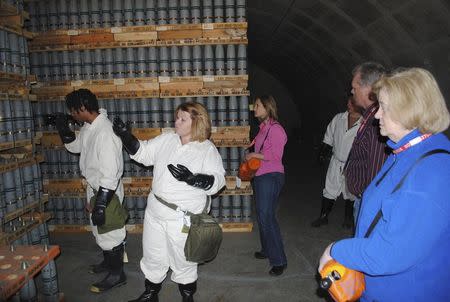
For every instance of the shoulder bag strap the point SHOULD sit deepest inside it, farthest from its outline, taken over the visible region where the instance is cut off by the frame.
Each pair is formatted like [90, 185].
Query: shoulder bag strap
[262, 145]
[176, 208]
[400, 184]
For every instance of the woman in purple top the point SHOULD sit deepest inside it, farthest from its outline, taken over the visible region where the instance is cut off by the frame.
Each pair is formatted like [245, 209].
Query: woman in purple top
[268, 181]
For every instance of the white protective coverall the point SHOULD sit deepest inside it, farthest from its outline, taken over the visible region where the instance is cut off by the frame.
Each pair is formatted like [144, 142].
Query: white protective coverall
[341, 139]
[101, 164]
[163, 242]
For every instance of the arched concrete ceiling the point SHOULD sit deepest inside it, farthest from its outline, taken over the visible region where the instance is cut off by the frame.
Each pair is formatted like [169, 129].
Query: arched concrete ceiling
[311, 46]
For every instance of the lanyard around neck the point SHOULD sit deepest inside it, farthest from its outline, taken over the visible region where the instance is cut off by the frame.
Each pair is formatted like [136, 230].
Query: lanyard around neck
[411, 143]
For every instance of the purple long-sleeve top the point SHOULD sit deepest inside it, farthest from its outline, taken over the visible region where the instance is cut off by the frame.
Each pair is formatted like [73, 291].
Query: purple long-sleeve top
[273, 146]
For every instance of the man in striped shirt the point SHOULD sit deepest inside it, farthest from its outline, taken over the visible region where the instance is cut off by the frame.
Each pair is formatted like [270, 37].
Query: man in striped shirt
[368, 151]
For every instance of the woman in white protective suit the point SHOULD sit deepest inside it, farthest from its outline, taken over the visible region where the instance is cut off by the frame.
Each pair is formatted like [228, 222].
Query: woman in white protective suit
[187, 168]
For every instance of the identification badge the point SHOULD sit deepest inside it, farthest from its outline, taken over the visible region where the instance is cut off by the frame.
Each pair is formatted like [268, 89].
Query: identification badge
[186, 224]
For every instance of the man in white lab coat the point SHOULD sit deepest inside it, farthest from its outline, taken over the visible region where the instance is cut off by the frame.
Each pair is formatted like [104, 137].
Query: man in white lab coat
[341, 132]
[101, 164]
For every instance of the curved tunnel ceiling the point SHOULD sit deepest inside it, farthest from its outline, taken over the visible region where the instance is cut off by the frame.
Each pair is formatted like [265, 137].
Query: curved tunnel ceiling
[311, 46]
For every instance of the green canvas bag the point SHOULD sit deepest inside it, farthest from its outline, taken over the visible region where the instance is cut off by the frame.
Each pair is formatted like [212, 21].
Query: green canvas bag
[204, 235]
[115, 215]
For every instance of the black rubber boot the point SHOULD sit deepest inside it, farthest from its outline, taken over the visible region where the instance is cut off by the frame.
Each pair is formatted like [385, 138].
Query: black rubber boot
[116, 277]
[102, 267]
[348, 218]
[327, 206]
[150, 294]
[187, 291]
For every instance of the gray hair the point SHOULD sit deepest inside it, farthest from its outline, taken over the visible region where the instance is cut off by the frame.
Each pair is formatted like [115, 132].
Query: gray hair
[370, 72]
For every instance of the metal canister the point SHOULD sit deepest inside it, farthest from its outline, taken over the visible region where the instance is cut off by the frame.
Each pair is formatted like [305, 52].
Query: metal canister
[139, 12]
[222, 111]
[185, 16]
[161, 12]
[117, 13]
[173, 11]
[236, 208]
[225, 208]
[95, 14]
[63, 15]
[230, 15]
[74, 18]
[106, 13]
[243, 110]
[218, 11]
[240, 11]
[196, 12]
[150, 12]
[128, 13]
[208, 11]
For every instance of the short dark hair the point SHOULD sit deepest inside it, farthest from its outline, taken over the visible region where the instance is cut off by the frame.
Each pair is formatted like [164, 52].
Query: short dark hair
[370, 72]
[82, 97]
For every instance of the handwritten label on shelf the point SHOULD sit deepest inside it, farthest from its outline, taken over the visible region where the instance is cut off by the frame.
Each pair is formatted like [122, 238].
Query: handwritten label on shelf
[167, 130]
[72, 32]
[116, 30]
[164, 79]
[208, 26]
[208, 78]
[119, 81]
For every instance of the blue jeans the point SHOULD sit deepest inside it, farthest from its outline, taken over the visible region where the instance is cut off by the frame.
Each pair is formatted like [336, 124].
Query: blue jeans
[267, 189]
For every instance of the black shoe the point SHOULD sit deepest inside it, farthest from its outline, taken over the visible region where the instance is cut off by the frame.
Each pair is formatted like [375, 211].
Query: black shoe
[187, 291]
[277, 270]
[319, 222]
[327, 206]
[260, 255]
[150, 294]
[116, 277]
[348, 218]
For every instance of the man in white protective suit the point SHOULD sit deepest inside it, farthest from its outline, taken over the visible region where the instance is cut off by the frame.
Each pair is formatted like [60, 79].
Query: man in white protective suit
[338, 140]
[101, 164]
[186, 169]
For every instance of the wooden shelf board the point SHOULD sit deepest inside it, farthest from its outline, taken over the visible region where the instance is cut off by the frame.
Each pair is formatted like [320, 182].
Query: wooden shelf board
[16, 153]
[141, 36]
[21, 163]
[148, 87]
[229, 136]
[27, 208]
[14, 144]
[40, 218]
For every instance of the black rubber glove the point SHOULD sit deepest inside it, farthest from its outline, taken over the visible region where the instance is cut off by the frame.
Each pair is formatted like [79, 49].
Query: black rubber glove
[102, 200]
[62, 125]
[202, 181]
[129, 141]
[325, 152]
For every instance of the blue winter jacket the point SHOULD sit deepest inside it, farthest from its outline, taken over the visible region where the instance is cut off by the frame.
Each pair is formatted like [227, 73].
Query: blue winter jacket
[407, 256]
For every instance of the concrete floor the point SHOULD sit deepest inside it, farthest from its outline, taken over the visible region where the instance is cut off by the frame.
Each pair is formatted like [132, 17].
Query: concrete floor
[234, 275]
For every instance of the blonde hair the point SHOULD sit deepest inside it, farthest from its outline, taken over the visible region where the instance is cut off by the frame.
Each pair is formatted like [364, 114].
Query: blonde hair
[270, 105]
[415, 100]
[201, 123]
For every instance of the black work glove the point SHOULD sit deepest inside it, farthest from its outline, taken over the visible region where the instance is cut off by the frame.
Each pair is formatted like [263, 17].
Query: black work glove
[202, 181]
[102, 200]
[325, 152]
[129, 141]
[62, 125]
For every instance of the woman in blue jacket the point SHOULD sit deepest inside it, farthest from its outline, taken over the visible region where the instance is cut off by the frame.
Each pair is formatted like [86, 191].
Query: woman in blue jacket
[406, 257]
